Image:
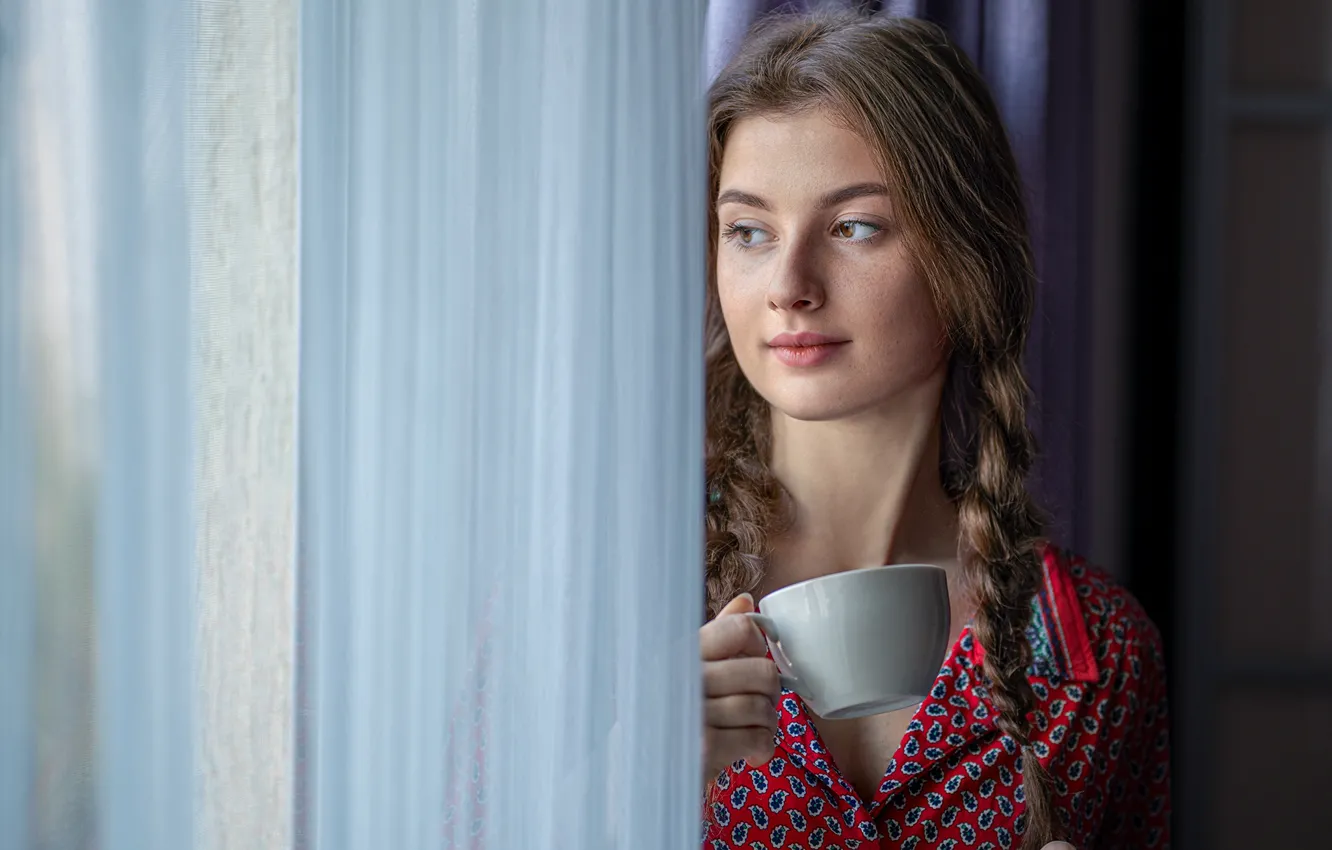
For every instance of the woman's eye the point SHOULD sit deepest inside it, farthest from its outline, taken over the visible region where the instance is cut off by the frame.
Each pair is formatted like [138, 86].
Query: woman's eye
[855, 231]
[746, 237]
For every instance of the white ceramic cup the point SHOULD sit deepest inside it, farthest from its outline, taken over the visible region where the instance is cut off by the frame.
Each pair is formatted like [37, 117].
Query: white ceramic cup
[860, 642]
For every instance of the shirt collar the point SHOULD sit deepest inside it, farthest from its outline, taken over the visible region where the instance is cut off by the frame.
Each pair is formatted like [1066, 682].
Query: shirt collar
[1061, 649]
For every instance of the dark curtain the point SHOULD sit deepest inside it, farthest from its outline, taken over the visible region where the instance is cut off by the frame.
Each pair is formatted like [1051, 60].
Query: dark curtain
[1036, 55]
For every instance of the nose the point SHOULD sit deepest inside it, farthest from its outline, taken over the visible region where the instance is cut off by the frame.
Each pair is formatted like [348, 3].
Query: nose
[796, 284]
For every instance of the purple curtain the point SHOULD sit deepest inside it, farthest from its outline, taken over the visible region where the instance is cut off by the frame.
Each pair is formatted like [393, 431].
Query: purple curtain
[1036, 55]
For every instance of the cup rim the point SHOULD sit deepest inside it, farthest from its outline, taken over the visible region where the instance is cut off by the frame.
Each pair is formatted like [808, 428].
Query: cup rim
[841, 575]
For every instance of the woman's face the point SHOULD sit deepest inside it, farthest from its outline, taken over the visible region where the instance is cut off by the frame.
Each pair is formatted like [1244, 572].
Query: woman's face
[827, 314]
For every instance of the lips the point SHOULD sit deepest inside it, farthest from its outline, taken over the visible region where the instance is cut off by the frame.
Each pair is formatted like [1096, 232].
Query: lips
[805, 349]
[804, 339]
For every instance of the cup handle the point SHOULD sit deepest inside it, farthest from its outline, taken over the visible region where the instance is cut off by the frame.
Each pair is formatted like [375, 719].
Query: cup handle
[785, 669]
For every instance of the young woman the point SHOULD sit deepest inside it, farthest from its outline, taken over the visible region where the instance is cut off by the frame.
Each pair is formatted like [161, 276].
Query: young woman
[870, 295]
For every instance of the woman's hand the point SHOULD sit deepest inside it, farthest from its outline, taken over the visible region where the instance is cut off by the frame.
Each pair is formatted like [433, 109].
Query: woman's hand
[1059, 845]
[741, 690]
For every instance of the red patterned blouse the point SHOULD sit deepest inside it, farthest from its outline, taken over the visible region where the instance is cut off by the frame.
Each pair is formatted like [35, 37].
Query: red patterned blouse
[955, 781]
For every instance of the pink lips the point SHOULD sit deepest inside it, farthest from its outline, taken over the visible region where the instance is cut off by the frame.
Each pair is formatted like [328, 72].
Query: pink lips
[805, 349]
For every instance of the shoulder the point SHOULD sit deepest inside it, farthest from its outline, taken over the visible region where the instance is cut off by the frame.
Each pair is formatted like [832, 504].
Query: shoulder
[1102, 731]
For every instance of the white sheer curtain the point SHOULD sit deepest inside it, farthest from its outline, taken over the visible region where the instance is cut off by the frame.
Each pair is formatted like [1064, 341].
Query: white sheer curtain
[147, 423]
[499, 543]
[98, 417]
[501, 422]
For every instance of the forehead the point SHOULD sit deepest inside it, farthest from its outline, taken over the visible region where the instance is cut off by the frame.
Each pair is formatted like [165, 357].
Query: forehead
[795, 157]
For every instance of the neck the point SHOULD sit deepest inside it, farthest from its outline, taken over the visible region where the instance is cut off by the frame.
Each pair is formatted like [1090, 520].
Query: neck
[865, 488]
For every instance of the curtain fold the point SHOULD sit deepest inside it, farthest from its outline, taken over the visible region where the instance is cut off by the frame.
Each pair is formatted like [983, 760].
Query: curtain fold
[242, 183]
[18, 599]
[97, 413]
[501, 471]
[143, 576]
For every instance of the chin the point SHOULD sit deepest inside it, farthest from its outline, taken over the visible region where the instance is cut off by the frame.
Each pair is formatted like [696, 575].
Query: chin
[813, 407]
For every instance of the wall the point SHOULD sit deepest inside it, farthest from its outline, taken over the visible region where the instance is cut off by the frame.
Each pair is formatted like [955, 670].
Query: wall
[1255, 747]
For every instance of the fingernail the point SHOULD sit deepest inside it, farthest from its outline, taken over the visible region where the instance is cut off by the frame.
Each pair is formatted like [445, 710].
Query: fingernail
[748, 596]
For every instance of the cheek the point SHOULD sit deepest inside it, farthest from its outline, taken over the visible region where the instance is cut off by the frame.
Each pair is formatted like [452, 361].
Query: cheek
[743, 316]
[910, 317]
[733, 299]
[908, 331]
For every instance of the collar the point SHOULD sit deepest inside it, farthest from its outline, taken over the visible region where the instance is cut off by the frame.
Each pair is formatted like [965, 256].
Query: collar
[1061, 648]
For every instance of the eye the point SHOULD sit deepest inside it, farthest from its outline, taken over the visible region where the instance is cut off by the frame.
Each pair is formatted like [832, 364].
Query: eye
[855, 231]
[746, 236]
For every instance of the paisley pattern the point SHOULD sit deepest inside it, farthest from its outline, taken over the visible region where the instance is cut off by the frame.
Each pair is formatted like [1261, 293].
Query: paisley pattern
[955, 780]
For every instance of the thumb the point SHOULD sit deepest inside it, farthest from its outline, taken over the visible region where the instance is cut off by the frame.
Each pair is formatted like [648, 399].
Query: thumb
[742, 604]
[1059, 845]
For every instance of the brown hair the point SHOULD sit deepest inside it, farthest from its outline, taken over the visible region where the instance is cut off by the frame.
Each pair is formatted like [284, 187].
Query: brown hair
[928, 115]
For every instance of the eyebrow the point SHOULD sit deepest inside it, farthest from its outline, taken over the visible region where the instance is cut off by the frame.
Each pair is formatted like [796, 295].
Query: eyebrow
[831, 199]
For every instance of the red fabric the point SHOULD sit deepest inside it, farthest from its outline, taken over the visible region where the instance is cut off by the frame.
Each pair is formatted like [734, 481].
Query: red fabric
[1064, 592]
[955, 781]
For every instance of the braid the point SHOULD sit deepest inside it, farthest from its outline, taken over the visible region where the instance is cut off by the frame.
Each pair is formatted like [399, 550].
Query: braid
[744, 498]
[1001, 527]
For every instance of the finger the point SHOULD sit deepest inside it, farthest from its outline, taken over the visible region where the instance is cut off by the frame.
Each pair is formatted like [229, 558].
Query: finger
[739, 711]
[754, 744]
[742, 676]
[1059, 845]
[729, 636]
[742, 604]
[732, 636]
